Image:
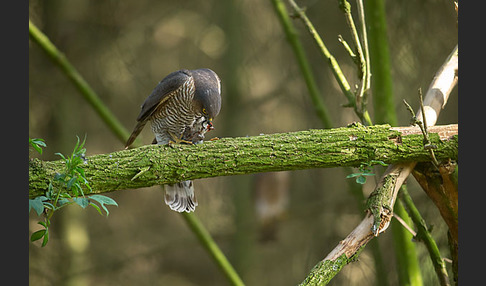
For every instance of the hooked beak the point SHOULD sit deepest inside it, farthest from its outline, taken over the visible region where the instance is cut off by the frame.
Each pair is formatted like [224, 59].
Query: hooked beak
[210, 125]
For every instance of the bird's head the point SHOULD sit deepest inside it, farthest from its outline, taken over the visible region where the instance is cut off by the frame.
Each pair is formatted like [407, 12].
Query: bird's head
[207, 96]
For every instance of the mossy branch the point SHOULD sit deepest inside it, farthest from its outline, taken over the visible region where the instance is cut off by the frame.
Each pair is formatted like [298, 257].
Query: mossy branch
[158, 165]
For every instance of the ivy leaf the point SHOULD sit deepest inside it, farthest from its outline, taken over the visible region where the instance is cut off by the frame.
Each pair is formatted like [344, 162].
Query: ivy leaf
[103, 200]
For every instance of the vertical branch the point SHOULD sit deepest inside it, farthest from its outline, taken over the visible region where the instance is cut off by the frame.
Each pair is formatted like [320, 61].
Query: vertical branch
[303, 63]
[382, 85]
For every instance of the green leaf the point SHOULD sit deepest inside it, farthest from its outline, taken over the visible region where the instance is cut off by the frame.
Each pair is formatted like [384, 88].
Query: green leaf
[46, 238]
[38, 235]
[96, 207]
[361, 180]
[353, 175]
[62, 201]
[62, 156]
[37, 143]
[37, 204]
[37, 148]
[59, 177]
[77, 190]
[367, 173]
[71, 181]
[49, 205]
[82, 202]
[103, 200]
[42, 223]
[378, 162]
[81, 172]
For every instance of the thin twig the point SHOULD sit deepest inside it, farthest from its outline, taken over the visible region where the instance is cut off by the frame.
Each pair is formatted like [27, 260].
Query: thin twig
[364, 38]
[346, 8]
[427, 144]
[404, 224]
[335, 68]
[423, 127]
[348, 49]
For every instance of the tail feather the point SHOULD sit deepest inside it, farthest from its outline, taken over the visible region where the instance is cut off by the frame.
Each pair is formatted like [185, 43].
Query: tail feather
[180, 197]
[138, 128]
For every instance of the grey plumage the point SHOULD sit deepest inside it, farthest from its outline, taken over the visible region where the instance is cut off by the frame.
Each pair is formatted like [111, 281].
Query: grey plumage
[181, 108]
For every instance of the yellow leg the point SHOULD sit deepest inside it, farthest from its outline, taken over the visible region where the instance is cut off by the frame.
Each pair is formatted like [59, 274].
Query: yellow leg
[177, 140]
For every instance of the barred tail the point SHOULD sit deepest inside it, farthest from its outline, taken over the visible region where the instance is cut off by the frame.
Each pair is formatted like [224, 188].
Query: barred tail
[180, 197]
[138, 128]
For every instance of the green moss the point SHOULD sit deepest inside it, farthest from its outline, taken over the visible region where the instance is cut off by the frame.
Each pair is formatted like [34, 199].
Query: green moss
[324, 271]
[380, 199]
[339, 147]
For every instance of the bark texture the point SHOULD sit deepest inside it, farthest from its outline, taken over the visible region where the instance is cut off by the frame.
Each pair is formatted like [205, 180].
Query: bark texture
[158, 165]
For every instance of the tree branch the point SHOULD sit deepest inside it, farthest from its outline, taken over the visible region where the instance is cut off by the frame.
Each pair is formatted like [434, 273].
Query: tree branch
[435, 99]
[158, 165]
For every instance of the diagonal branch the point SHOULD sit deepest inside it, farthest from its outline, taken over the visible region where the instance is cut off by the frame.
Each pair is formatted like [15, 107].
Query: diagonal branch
[435, 99]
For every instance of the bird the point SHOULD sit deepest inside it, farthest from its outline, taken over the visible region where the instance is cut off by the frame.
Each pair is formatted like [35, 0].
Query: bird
[181, 109]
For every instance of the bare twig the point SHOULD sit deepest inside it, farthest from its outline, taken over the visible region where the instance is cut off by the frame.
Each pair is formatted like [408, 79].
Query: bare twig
[404, 224]
[366, 52]
[335, 68]
[423, 127]
[359, 58]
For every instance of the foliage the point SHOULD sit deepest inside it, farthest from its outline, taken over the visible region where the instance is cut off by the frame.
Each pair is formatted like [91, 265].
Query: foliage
[364, 171]
[72, 179]
[37, 144]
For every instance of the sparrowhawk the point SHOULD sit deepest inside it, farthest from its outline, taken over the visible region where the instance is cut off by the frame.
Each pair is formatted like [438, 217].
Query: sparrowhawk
[181, 109]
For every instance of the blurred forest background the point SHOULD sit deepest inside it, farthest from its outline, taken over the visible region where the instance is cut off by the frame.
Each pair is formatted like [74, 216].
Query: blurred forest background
[124, 48]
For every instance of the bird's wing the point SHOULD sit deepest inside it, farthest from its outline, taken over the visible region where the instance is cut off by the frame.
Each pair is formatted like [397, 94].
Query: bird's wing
[162, 92]
[159, 96]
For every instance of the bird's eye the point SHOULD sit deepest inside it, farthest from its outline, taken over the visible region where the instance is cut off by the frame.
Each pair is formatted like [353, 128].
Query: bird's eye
[204, 111]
